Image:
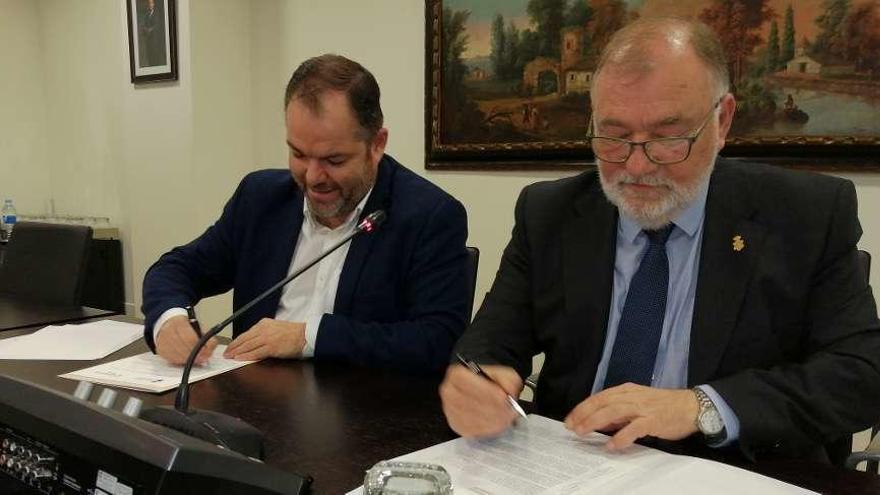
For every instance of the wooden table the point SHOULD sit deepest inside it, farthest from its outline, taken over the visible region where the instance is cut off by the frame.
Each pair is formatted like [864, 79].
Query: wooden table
[333, 421]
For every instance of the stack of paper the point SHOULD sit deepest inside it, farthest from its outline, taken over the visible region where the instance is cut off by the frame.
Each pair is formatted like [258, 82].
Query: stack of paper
[150, 373]
[86, 341]
[539, 456]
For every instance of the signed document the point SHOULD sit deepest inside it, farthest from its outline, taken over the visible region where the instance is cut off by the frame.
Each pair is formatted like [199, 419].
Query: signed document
[539, 456]
[148, 372]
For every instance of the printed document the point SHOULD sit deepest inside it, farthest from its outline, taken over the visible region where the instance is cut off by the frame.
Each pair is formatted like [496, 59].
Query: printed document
[539, 456]
[148, 372]
[83, 342]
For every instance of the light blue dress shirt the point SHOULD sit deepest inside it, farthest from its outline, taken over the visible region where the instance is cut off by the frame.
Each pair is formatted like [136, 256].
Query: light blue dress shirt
[683, 251]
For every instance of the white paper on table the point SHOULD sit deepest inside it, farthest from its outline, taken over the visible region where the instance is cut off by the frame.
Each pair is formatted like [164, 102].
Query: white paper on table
[82, 342]
[148, 372]
[539, 456]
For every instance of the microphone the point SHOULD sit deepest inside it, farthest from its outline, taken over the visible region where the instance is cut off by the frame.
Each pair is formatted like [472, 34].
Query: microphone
[218, 428]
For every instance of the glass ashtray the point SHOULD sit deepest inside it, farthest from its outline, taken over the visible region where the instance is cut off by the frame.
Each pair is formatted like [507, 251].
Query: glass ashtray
[407, 478]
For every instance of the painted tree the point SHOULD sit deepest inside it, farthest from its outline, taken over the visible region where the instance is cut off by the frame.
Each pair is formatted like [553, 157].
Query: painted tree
[607, 17]
[786, 51]
[498, 55]
[830, 42]
[771, 56]
[737, 24]
[515, 63]
[547, 15]
[459, 115]
[863, 38]
[578, 13]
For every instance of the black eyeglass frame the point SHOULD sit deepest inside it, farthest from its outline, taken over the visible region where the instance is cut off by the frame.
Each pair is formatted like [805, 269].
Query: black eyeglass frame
[690, 139]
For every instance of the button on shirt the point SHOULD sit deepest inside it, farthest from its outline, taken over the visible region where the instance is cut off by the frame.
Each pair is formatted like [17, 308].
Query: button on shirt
[313, 293]
[683, 251]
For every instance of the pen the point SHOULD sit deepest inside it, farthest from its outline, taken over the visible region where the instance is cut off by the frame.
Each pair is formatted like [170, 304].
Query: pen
[193, 321]
[477, 370]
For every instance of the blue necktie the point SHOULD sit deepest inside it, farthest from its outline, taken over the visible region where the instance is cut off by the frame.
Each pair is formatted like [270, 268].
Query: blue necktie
[641, 322]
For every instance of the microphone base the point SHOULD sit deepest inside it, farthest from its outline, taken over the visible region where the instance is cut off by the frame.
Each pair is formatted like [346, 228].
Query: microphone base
[213, 427]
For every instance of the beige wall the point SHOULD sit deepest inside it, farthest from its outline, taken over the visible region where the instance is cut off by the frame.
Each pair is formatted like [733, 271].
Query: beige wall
[161, 159]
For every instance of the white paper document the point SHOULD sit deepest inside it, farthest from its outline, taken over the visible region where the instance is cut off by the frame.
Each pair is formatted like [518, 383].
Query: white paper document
[539, 456]
[83, 342]
[148, 372]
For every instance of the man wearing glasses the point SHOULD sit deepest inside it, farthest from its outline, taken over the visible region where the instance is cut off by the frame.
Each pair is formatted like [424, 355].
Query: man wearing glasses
[677, 296]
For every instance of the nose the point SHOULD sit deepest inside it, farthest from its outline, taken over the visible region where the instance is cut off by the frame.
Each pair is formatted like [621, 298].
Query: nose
[315, 173]
[638, 163]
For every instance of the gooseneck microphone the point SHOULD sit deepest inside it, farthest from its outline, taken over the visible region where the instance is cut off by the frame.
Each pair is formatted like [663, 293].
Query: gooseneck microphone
[218, 428]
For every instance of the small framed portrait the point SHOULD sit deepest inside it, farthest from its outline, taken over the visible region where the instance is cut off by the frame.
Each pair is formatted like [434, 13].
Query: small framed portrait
[152, 40]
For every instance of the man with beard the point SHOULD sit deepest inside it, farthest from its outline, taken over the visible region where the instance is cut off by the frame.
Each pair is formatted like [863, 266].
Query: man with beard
[677, 296]
[396, 297]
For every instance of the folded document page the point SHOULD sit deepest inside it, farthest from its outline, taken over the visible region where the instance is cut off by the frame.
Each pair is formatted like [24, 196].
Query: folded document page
[539, 456]
[85, 342]
[148, 372]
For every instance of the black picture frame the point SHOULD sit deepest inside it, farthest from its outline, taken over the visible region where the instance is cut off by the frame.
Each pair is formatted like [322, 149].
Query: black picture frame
[152, 40]
[826, 153]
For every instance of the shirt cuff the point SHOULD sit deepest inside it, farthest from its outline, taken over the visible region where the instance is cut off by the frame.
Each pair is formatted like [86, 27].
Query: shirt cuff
[167, 315]
[313, 324]
[731, 422]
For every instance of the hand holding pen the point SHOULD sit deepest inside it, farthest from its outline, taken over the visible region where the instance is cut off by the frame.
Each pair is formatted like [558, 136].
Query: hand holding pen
[477, 370]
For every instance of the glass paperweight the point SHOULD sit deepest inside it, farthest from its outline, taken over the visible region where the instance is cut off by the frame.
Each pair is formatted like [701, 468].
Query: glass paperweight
[407, 478]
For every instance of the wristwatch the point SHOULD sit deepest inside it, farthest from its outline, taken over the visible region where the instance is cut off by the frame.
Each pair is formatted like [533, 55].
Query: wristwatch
[709, 420]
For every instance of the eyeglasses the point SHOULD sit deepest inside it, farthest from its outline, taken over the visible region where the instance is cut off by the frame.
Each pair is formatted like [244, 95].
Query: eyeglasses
[662, 151]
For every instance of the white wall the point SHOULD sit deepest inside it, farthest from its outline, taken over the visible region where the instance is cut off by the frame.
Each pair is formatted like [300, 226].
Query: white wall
[161, 159]
[24, 175]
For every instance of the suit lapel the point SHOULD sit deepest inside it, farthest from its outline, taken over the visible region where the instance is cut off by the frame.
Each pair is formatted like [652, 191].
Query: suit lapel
[289, 224]
[726, 265]
[362, 245]
[588, 246]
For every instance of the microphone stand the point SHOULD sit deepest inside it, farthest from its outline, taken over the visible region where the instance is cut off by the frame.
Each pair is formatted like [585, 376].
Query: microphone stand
[219, 428]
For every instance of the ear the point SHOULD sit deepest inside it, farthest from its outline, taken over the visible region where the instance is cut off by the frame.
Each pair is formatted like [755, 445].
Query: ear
[725, 117]
[377, 145]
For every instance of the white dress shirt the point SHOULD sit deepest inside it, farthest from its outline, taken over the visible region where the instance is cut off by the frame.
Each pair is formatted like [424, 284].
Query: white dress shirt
[313, 294]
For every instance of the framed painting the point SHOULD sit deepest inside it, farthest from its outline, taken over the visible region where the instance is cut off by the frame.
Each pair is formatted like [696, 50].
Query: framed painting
[152, 40]
[508, 81]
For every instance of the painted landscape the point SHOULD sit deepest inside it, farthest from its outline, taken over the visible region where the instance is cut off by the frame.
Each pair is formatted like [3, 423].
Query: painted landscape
[519, 71]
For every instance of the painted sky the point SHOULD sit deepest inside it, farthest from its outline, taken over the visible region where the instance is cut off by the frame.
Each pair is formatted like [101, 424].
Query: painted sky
[484, 11]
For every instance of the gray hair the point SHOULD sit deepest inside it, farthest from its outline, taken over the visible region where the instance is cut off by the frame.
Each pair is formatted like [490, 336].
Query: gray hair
[630, 48]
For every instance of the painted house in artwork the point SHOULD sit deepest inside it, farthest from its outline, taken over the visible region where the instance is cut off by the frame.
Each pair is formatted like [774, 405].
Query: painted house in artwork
[803, 65]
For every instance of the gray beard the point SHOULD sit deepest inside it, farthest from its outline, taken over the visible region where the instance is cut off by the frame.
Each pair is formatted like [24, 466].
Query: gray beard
[660, 213]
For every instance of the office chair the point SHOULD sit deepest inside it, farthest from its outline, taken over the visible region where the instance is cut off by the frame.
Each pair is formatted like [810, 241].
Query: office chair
[473, 264]
[46, 263]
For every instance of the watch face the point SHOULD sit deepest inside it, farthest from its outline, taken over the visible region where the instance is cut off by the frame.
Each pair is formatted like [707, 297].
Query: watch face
[711, 422]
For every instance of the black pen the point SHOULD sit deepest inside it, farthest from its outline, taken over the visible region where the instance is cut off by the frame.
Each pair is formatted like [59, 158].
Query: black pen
[477, 370]
[193, 321]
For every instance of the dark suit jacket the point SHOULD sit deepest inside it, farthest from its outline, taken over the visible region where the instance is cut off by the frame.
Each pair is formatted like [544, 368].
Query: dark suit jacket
[402, 299]
[785, 329]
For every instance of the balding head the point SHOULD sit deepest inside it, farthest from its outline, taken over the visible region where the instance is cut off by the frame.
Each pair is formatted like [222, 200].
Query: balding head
[639, 47]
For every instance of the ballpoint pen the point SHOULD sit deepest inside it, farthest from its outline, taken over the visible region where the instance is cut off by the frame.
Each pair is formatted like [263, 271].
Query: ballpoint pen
[477, 370]
[193, 321]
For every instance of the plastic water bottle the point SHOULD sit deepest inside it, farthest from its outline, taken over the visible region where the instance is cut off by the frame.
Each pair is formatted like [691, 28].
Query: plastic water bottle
[8, 217]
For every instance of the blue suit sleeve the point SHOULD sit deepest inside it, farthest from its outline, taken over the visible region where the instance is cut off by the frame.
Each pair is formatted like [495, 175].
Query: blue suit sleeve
[205, 267]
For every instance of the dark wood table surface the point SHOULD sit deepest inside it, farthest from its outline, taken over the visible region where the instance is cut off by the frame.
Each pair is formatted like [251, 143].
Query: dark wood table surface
[15, 314]
[333, 421]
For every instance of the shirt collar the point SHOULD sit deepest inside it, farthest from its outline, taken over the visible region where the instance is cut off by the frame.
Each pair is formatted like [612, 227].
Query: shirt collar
[688, 220]
[349, 222]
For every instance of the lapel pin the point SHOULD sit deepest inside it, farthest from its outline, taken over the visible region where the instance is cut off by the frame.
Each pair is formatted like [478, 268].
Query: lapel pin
[738, 243]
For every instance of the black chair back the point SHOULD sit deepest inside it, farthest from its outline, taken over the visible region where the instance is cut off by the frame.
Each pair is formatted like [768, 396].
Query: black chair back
[473, 264]
[46, 263]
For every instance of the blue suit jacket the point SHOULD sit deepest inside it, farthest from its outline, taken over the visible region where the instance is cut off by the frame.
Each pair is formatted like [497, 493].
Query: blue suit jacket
[402, 299]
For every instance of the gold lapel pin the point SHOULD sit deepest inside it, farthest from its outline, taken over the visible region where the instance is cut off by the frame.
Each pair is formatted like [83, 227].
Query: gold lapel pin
[738, 243]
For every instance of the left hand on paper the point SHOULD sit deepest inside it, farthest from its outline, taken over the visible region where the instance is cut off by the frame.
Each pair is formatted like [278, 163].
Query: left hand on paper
[268, 338]
[636, 411]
